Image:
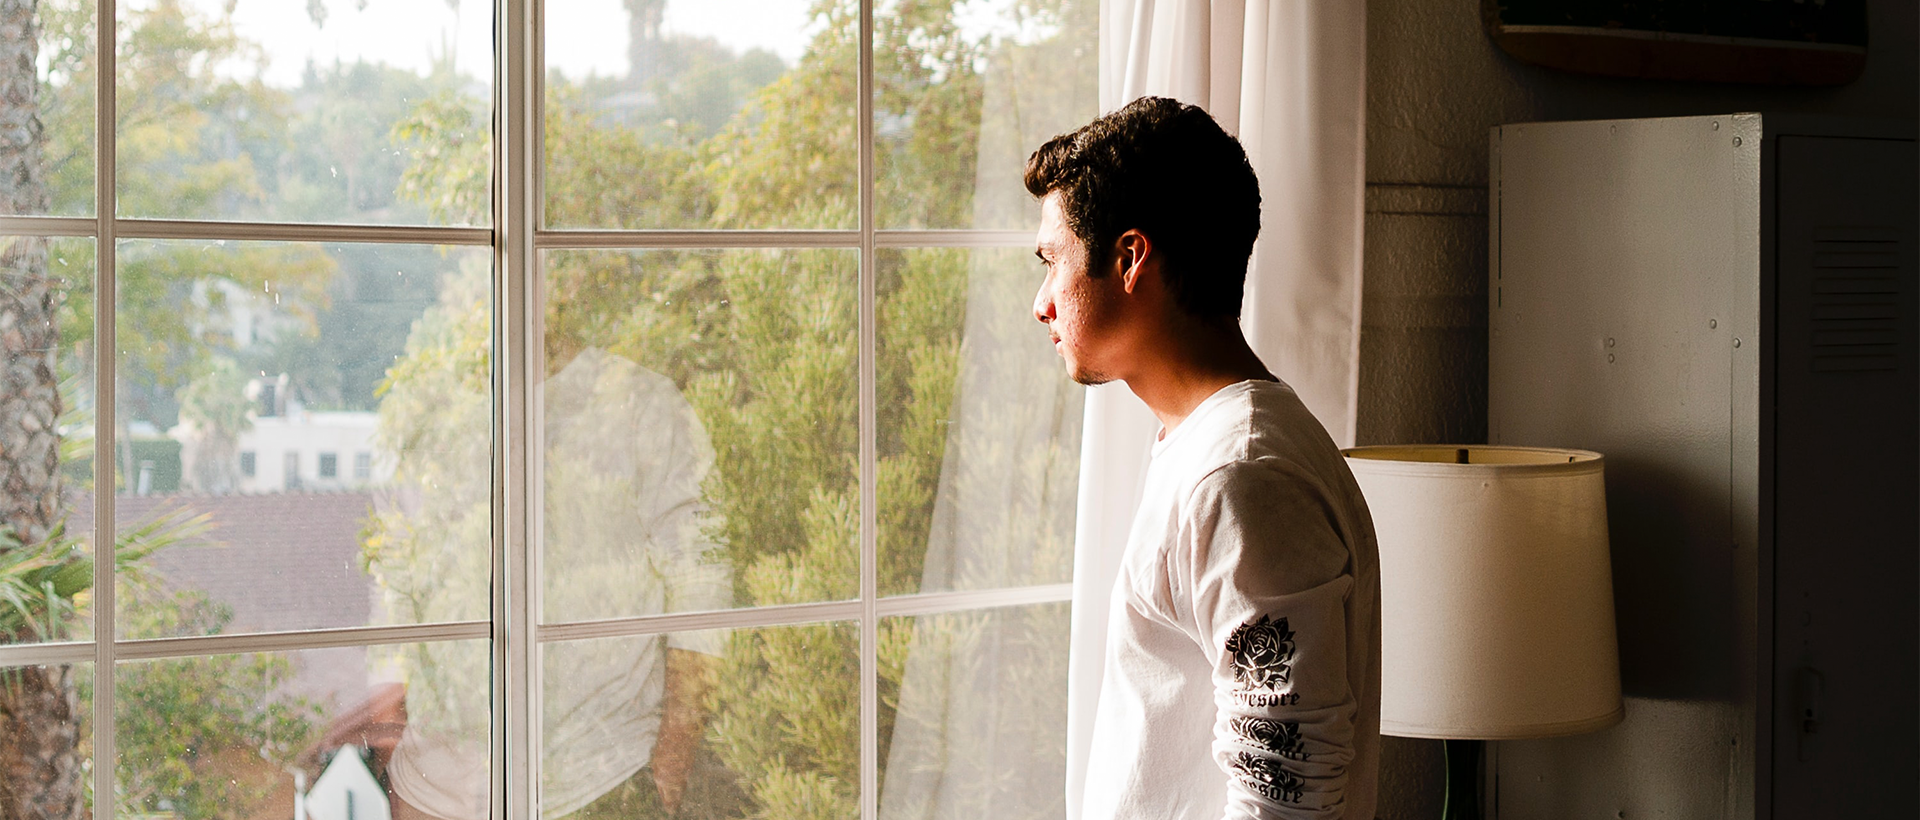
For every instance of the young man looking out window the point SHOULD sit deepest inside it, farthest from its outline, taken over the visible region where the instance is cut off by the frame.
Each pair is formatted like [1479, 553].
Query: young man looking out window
[1242, 673]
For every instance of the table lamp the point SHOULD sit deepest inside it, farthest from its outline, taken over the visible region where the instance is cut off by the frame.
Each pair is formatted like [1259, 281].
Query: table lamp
[1496, 597]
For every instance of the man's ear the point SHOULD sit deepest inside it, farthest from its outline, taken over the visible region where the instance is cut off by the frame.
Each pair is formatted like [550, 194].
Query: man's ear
[1131, 253]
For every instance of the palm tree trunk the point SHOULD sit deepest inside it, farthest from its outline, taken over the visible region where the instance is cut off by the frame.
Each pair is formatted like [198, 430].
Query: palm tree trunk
[40, 776]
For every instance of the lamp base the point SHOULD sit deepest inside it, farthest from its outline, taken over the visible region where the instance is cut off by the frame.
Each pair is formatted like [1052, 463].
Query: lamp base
[1463, 780]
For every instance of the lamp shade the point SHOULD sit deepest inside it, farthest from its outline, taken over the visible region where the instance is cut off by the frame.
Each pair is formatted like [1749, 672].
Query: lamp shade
[1496, 594]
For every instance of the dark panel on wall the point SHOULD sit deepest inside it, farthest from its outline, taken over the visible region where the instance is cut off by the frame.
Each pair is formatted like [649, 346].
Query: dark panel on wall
[1844, 447]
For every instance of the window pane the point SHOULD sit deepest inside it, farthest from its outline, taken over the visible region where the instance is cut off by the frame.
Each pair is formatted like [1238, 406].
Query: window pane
[323, 111]
[289, 352]
[979, 429]
[700, 430]
[981, 720]
[702, 114]
[46, 439]
[47, 164]
[965, 90]
[46, 737]
[402, 729]
[721, 723]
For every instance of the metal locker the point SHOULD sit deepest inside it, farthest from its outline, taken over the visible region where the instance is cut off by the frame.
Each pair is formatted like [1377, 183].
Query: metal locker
[1725, 306]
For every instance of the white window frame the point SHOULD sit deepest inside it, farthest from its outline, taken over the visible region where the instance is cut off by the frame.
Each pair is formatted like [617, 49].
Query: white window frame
[517, 238]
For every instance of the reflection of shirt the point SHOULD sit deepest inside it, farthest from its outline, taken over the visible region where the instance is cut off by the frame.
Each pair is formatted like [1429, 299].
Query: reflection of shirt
[625, 458]
[1243, 652]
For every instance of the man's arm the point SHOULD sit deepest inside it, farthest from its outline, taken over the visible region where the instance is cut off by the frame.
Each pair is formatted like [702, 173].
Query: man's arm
[683, 719]
[1267, 576]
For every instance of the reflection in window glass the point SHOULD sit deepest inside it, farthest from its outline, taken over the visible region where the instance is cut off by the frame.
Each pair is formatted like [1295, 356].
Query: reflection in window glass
[46, 735]
[46, 438]
[290, 352]
[757, 722]
[979, 428]
[700, 430]
[702, 114]
[977, 712]
[324, 111]
[249, 735]
[964, 91]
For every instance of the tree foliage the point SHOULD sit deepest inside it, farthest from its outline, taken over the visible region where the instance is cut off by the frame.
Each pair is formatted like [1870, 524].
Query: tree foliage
[764, 344]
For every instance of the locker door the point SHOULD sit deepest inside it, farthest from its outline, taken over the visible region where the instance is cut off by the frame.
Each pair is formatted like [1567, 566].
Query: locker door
[1844, 450]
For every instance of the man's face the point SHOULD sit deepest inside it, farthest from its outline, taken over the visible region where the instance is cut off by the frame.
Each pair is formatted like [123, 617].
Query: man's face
[1082, 313]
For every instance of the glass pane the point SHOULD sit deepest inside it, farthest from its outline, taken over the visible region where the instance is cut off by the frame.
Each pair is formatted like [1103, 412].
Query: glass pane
[700, 430]
[46, 738]
[243, 367]
[322, 111]
[721, 723]
[347, 734]
[46, 158]
[702, 114]
[965, 90]
[46, 439]
[979, 428]
[974, 714]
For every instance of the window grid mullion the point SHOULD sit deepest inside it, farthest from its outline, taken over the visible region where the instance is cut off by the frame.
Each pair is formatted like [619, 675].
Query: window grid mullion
[105, 290]
[869, 439]
[519, 31]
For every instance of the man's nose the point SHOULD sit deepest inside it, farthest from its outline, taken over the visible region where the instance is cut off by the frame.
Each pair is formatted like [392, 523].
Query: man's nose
[1043, 305]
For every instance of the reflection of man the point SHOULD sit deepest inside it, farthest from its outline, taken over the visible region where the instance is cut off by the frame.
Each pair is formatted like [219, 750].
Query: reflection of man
[624, 461]
[625, 458]
[1243, 651]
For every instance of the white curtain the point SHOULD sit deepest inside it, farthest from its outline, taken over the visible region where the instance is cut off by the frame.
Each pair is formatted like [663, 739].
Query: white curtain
[1288, 78]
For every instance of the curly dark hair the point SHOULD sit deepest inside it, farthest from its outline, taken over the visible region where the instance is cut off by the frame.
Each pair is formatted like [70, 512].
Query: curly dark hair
[1166, 169]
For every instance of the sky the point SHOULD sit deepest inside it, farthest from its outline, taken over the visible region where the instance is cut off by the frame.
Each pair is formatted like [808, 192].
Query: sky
[583, 36]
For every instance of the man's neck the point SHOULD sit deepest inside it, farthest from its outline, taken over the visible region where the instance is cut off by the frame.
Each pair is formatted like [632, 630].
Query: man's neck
[1191, 363]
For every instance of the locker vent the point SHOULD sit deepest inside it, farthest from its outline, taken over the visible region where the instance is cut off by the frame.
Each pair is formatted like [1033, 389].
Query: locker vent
[1856, 299]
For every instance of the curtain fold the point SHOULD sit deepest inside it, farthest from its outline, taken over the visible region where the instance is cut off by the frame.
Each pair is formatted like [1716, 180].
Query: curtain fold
[1288, 78]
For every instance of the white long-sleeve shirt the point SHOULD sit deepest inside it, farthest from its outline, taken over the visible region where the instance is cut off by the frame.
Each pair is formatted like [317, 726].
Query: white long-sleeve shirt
[1242, 676]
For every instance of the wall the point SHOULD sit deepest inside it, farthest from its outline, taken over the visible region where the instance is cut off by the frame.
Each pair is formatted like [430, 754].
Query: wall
[1436, 83]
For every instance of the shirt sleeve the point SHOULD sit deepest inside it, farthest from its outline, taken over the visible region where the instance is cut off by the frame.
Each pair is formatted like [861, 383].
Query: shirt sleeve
[674, 512]
[1266, 573]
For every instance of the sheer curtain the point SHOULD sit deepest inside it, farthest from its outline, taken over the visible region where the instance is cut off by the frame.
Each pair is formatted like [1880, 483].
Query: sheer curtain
[1288, 78]
[981, 704]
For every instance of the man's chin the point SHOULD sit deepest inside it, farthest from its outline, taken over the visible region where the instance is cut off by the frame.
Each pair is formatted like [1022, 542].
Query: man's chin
[1089, 378]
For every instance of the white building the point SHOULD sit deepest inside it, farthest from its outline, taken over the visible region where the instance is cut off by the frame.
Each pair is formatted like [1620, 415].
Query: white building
[287, 448]
[302, 450]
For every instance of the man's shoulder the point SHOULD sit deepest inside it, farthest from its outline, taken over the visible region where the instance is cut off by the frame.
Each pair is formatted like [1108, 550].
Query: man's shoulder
[1276, 447]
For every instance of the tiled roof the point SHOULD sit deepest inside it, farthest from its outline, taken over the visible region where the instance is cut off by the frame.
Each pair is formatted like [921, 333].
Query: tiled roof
[281, 561]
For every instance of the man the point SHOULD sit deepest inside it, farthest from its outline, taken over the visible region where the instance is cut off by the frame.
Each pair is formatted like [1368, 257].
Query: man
[1243, 650]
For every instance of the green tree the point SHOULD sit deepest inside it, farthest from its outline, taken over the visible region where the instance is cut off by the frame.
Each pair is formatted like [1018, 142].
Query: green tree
[764, 344]
[215, 406]
[192, 727]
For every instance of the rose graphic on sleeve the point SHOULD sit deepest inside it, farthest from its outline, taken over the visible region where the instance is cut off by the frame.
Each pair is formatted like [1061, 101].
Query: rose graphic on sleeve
[1278, 737]
[1267, 777]
[1262, 651]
